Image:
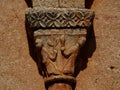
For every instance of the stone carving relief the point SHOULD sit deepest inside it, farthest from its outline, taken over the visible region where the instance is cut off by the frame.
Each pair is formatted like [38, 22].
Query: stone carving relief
[59, 34]
[59, 50]
[59, 17]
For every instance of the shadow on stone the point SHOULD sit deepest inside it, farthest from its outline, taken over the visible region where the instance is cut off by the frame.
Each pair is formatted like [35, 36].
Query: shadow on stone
[88, 3]
[86, 51]
[33, 50]
[29, 3]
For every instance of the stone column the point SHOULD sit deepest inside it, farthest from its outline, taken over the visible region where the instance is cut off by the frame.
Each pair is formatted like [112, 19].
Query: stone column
[59, 3]
[59, 33]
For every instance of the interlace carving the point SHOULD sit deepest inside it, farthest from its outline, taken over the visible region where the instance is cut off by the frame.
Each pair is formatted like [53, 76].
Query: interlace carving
[59, 17]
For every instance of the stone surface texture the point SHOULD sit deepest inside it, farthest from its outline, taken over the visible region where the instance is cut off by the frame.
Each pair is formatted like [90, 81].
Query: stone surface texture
[59, 17]
[59, 3]
[18, 71]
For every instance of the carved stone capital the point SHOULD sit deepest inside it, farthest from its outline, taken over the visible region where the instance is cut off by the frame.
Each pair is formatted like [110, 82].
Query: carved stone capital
[59, 33]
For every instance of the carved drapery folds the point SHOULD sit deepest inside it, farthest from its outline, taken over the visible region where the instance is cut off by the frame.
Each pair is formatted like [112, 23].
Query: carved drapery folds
[59, 33]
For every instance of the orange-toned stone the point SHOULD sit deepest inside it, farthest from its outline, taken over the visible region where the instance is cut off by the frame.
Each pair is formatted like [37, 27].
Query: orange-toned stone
[18, 70]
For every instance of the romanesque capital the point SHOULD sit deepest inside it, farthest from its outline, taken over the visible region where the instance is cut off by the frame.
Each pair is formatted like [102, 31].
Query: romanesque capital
[59, 34]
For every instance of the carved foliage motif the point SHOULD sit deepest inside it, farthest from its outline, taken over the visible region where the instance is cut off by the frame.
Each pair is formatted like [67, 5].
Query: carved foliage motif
[58, 55]
[59, 17]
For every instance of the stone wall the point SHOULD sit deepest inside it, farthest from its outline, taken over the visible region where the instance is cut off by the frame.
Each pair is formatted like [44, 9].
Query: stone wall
[18, 71]
[103, 67]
